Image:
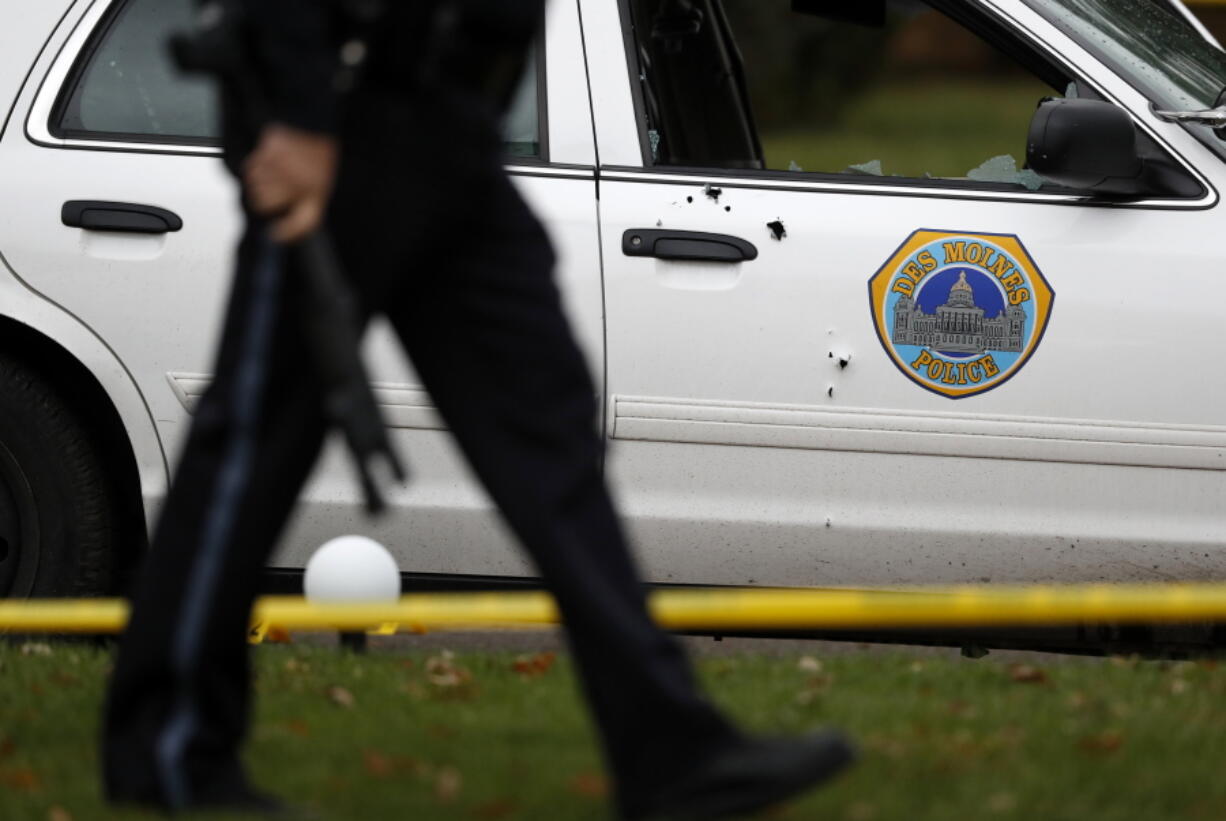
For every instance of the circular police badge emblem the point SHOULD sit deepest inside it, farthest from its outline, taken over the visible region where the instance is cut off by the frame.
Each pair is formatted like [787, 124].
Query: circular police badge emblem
[960, 313]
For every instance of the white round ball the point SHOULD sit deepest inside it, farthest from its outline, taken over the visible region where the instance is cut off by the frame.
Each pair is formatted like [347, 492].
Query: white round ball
[353, 569]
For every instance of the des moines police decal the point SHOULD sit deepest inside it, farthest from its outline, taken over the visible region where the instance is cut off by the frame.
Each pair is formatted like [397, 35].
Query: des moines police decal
[960, 313]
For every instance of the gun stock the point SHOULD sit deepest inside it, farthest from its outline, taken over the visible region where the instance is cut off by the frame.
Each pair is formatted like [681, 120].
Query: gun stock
[332, 325]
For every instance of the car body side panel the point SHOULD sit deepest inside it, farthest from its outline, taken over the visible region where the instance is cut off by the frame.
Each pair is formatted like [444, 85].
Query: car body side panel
[31, 34]
[157, 301]
[745, 453]
[31, 309]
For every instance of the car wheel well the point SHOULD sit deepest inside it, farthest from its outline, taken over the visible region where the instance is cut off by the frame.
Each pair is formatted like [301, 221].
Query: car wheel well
[81, 389]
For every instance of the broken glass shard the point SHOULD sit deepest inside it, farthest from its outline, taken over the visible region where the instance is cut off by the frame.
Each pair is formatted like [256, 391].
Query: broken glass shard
[872, 168]
[1003, 168]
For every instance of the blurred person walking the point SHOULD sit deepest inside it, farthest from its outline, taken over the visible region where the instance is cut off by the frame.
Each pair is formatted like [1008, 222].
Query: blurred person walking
[404, 168]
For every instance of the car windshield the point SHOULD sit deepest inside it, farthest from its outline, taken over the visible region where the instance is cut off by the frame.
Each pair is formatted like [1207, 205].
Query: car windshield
[1160, 53]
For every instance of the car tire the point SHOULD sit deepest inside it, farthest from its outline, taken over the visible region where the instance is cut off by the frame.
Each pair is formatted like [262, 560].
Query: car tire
[57, 512]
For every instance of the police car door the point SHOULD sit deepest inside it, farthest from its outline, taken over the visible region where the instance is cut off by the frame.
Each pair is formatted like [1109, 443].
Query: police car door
[112, 122]
[852, 339]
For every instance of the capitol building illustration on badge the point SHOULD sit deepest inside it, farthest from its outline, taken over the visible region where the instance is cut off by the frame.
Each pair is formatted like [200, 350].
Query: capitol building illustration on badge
[959, 326]
[959, 313]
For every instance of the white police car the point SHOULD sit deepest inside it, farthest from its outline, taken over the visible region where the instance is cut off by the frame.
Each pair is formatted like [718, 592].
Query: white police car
[845, 334]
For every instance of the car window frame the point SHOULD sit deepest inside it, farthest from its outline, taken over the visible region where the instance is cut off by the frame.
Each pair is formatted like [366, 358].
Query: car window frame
[87, 36]
[99, 35]
[984, 20]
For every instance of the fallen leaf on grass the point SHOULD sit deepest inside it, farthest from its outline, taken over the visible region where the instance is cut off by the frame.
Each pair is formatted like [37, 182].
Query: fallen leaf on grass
[340, 696]
[298, 727]
[492, 810]
[1178, 686]
[815, 687]
[447, 784]
[58, 813]
[442, 671]
[297, 666]
[21, 779]
[962, 709]
[413, 690]
[278, 635]
[64, 679]
[1102, 743]
[34, 648]
[808, 664]
[377, 764]
[532, 666]
[1002, 802]
[382, 765]
[1027, 674]
[7, 747]
[590, 785]
[447, 679]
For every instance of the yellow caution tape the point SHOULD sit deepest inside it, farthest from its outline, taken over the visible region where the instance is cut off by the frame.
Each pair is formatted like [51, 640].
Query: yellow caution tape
[714, 610]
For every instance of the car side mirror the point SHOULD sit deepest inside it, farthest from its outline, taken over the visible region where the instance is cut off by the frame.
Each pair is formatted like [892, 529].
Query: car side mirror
[1089, 145]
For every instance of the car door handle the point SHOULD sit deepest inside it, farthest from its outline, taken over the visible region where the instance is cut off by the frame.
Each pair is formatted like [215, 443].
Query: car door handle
[692, 245]
[95, 215]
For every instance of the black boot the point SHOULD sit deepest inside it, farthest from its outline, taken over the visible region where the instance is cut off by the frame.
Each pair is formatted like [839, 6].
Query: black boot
[750, 776]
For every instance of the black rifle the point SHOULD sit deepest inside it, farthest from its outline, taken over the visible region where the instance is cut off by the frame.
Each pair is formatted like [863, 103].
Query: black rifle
[218, 47]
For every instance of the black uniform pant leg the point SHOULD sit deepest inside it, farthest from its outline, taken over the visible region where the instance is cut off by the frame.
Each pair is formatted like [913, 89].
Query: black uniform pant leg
[177, 707]
[485, 329]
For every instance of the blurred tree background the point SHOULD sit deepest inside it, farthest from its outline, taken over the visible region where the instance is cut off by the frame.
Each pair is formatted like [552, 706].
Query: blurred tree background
[920, 95]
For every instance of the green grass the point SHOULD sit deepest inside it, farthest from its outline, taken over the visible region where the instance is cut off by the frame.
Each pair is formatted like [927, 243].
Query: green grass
[943, 738]
[944, 130]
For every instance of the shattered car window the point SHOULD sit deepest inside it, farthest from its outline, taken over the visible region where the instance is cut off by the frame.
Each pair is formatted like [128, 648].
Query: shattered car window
[1165, 57]
[1004, 169]
[827, 88]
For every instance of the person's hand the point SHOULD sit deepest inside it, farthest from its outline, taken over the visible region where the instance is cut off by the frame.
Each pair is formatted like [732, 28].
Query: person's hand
[289, 179]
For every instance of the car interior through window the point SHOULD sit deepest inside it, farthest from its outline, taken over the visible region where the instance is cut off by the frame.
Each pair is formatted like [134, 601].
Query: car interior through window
[876, 90]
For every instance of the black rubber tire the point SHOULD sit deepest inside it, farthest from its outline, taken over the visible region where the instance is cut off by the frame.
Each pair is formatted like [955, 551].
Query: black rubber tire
[58, 516]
